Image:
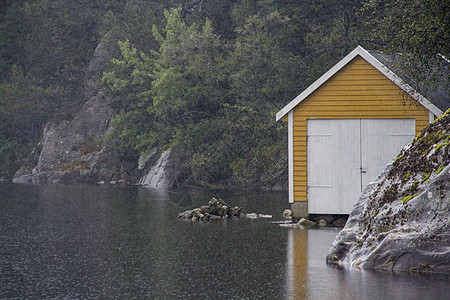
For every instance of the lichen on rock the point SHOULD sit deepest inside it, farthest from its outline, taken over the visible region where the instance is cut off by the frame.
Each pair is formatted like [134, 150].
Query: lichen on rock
[402, 219]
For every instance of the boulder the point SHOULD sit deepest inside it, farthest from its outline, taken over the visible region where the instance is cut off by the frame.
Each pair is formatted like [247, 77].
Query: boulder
[402, 219]
[306, 222]
[236, 211]
[340, 222]
[185, 215]
[217, 209]
[287, 214]
[26, 178]
[322, 222]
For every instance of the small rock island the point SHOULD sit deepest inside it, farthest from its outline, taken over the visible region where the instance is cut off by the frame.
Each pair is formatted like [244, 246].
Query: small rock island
[402, 219]
[216, 209]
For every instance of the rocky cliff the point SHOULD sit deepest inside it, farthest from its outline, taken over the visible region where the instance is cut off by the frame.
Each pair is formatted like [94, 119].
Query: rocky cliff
[74, 150]
[402, 219]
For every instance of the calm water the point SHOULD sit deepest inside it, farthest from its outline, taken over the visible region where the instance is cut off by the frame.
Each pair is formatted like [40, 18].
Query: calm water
[78, 242]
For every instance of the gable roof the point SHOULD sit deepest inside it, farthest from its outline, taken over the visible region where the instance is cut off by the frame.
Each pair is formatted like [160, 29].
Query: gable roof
[437, 93]
[376, 64]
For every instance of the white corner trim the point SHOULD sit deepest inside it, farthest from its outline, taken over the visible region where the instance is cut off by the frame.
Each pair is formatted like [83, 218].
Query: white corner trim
[430, 117]
[291, 156]
[376, 64]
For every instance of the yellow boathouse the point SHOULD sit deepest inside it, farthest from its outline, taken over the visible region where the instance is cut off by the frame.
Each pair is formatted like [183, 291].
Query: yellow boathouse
[345, 128]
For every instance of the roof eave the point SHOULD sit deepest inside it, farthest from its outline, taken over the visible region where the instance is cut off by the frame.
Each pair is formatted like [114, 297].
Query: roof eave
[402, 84]
[319, 82]
[376, 64]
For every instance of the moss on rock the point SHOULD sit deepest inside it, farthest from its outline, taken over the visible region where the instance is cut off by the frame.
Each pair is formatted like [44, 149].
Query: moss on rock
[386, 229]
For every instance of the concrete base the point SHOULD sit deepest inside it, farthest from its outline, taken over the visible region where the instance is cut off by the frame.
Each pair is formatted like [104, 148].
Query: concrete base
[299, 209]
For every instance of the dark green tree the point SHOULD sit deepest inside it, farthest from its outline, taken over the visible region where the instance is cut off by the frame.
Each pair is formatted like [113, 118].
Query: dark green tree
[128, 82]
[419, 30]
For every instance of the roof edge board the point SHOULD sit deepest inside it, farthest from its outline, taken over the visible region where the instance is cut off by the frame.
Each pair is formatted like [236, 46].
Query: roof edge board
[401, 83]
[376, 64]
[319, 82]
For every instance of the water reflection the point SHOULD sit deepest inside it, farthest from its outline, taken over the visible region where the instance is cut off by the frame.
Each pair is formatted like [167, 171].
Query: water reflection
[297, 276]
[308, 276]
[75, 241]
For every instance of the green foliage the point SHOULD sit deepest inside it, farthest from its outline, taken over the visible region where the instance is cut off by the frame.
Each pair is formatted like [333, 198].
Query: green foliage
[133, 20]
[204, 81]
[439, 170]
[188, 97]
[418, 29]
[186, 86]
[44, 49]
[23, 113]
[211, 98]
[132, 135]
[23, 107]
[10, 152]
[127, 81]
[11, 28]
[128, 78]
[262, 69]
[194, 98]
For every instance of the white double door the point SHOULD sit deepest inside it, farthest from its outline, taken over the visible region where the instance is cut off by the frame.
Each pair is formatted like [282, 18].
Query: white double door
[344, 155]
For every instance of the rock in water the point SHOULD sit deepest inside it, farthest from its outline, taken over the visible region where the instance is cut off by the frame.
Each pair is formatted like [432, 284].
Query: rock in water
[402, 219]
[306, 222]
[251, 216]
[216, 209]
[287, 214]
[263, 216]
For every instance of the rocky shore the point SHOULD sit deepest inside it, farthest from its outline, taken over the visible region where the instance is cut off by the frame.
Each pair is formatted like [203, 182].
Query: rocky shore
[402, 219]
[75, 150]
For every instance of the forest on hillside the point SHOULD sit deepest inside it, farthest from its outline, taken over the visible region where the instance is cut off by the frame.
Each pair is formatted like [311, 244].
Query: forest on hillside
[203, 78]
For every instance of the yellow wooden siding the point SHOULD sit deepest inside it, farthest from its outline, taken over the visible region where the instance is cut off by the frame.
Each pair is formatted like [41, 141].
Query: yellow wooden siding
[357, 91]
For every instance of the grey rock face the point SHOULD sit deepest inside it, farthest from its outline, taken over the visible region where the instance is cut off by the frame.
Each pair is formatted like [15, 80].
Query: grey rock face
[72, 149]
[145, 159]
[93, 75]
[67, 141]
[157, 177]
[402, 219]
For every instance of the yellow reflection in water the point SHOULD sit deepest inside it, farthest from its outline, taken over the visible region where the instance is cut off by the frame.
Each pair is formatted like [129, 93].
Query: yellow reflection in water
[297, 264]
